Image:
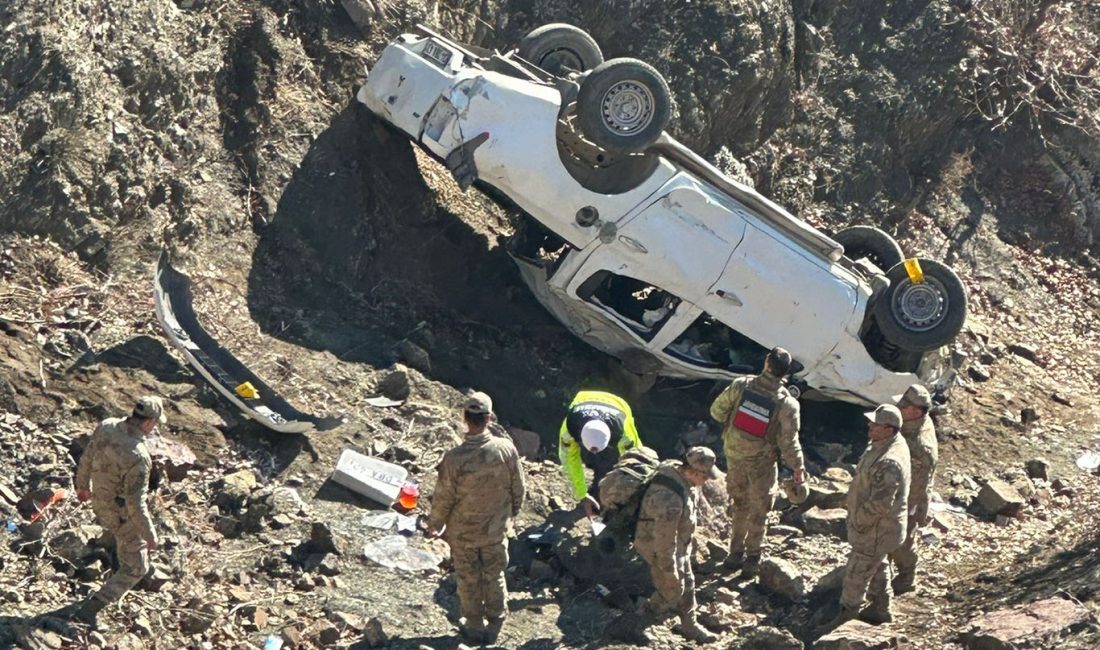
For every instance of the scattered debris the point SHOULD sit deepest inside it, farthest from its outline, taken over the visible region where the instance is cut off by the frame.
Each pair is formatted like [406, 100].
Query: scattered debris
[1089, 461]
[371, 477]
[394, 552]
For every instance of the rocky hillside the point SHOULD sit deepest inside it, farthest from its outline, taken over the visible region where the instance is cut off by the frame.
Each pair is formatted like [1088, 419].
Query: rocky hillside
[338, 262]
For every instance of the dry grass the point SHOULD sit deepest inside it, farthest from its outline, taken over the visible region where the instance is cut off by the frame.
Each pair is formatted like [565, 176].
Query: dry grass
[1038, 59]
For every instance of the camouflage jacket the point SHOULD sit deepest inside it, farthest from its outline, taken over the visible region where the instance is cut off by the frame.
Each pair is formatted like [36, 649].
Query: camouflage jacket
[878, 497]
[920, 434]
[115, 466]
[781, 436]
[480, 486]
[666, 520]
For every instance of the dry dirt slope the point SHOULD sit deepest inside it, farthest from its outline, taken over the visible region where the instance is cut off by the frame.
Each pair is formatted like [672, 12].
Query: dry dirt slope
[226, 132]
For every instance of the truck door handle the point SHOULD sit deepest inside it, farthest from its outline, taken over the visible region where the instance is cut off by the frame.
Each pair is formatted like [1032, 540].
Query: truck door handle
[633, 243]
[730, 296]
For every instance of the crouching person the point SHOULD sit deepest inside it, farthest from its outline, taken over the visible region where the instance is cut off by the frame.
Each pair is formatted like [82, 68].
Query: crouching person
[666, 524]
[479, 488]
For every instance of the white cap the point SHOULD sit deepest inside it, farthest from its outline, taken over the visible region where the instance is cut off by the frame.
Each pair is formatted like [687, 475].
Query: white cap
[595, 434]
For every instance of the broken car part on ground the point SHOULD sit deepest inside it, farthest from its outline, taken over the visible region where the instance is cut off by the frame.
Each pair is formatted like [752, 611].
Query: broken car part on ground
[252, 395]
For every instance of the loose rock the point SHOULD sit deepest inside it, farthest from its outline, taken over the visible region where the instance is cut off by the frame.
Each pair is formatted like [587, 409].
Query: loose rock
[833, 521]
[998, 498]
[857, 635]
[1037, 624]
[1038, 468]
[528, 443]
[414, 356]
[395, 385]
[764, 637]
[780, 577]
[373, 634]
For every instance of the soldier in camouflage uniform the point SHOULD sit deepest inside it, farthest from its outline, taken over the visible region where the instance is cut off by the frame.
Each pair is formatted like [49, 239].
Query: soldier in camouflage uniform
[761, 422]
[877, 516]
[114, 473]
[920, 434]
[479, 488]
[666, 524]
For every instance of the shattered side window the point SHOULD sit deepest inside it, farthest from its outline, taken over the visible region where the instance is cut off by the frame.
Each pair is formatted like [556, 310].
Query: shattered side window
[639, 305]
[710, 343]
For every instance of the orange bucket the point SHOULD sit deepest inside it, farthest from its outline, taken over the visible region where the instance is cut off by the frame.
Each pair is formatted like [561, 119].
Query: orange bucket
[408, 496]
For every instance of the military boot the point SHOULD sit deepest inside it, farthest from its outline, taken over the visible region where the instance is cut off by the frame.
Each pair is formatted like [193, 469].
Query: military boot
[88, 611]
[492, 631]
[474, 631]
[876, 612]
[690, 629]
[630, 627]
[904, 582]
[845, 614]
[751, 566]
[733, 561]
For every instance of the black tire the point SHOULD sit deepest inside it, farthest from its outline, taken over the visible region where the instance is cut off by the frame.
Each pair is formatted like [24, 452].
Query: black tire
[624, 105]
[872, 243]
[559, 48]
[925, 316]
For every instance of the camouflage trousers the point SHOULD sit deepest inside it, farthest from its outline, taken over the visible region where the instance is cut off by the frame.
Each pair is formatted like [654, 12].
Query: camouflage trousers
[133, 559]
[866, 575]
[905, 557]
[751, 487]
[479, 573]
[673, 591]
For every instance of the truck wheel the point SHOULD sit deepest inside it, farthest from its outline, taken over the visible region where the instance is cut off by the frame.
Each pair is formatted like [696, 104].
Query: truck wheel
[559, 48]
[921, 316]
[872, 243]
[624, 105]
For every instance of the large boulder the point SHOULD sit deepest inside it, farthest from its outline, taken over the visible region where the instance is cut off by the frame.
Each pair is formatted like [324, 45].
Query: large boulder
[1038, 624]
[998, 498]
[528, 443]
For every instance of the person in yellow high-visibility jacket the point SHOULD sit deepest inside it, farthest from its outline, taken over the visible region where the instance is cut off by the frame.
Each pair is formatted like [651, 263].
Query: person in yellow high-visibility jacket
[597, 430]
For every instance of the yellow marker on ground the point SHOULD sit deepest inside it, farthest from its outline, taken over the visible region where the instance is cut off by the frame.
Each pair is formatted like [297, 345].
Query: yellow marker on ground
[247, 390]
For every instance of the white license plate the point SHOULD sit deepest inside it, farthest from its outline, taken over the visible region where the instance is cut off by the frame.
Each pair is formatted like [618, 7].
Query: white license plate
[437, 53]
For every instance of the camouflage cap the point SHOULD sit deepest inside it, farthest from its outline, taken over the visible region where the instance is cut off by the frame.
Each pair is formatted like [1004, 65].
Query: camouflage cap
[478, 403]
[151, 407]
[702, 459]
[915, 395]
[887, 414]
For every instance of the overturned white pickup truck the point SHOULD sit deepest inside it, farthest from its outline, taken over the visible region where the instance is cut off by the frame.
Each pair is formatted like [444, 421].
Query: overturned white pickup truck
[640, 246]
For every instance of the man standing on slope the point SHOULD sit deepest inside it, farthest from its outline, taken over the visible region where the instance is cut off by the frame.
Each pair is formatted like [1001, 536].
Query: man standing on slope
[479, 488]
[920, 434]
[761, 422]
[877, 515]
